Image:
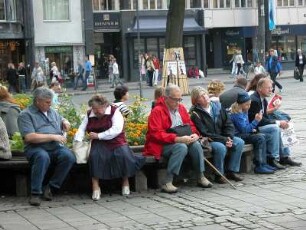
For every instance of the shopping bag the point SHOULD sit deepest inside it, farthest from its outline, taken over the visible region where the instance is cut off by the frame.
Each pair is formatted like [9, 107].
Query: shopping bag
[81, 150]
[288, 136]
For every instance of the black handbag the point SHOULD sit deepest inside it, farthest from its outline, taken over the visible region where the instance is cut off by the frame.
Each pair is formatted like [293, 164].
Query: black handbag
[181, 130]
[296, 74]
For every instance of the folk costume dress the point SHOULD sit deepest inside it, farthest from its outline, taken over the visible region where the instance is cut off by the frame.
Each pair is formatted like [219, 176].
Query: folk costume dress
[110, 156]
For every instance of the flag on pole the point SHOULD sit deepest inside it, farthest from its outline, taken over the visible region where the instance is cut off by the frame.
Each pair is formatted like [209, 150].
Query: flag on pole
[272, 15]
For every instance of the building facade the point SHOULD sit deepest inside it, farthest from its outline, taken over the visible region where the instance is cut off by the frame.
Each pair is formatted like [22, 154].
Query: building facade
[15, 33]
[213, 29]
[58, 34]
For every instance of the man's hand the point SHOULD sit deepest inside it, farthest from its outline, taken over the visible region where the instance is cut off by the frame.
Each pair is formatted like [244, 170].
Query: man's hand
[66, 125]
[59, 138]
[194, 137]
[284, 124]
[229, 142]
[258, 116]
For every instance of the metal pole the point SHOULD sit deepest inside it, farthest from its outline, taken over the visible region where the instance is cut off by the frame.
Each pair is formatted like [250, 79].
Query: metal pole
[138, 50]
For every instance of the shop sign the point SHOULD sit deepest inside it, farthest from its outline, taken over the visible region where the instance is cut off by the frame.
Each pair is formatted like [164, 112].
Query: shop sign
[232, 33]
[107, 22]
[280, 31]
[58, 49]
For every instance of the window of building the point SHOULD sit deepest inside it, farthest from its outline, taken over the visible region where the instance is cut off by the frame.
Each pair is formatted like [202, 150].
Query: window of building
[8, 10]
[285, 3]
[243, 3]
[222, 3]
[56, 10]
[62, 56]
[205, 4]
[301, 43]
[285, 46]
[302, 2]
[195, 4]
[189, 51]
[128, 5]
[99, 5]
[152, 4]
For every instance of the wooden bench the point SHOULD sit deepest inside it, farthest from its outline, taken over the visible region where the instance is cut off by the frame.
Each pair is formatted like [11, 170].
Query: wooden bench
[21, 169]
[141, 179]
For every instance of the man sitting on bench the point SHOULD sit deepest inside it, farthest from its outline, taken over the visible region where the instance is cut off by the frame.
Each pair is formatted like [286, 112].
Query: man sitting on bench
[42, 129]
[160, 141]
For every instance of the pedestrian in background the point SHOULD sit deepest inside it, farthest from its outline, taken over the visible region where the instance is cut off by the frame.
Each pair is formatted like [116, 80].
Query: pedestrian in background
[300, 61]
[274, 67]
[80, 75]
[88, 68]
[38, 77]
[22, 73]
[12, 78]
[116, 76]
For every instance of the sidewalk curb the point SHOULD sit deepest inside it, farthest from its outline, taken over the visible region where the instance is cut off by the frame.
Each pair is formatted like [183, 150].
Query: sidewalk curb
[135, 85]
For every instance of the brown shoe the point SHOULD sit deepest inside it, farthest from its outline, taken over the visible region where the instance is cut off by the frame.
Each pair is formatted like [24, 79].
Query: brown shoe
[289, 161]
[203, 182]
[233, 176]
[220, 180]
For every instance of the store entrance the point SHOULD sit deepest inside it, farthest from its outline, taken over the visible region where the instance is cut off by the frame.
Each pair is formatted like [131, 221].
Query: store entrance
[111, 45]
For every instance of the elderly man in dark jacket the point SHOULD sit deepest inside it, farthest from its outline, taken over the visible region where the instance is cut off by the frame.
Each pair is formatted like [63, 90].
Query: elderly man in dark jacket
[275, 150]
[212, 121]
[229, 97]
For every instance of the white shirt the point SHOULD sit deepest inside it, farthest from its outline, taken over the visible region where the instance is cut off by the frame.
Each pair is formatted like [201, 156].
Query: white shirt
[115, 68]
[109, 134]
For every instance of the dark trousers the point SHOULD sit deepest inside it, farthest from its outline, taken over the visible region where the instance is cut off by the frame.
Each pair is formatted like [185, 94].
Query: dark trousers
[275, 83]
[85, 79]
[301, 71]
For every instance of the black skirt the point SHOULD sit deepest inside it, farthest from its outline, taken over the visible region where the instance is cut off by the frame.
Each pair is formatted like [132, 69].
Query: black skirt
[107, 164]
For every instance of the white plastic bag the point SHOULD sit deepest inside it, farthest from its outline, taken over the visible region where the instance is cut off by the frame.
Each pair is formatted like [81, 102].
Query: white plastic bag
[288, 136]
[81, 150]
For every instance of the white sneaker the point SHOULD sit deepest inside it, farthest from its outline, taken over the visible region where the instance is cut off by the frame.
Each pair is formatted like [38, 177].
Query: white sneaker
[169, 188]
[204, 182]
[96, 195]
[125, 191]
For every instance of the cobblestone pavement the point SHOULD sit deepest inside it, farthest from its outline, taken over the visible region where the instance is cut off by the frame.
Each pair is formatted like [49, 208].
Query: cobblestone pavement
[260, 202]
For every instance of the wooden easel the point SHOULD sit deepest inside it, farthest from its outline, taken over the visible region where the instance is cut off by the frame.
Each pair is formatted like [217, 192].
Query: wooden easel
[174, 69]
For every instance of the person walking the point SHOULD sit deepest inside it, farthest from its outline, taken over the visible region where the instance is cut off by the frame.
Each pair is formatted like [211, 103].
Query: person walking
[300, 61]
[116, 78]
[88, 68]
[80, 75]
[12, 78]
[273, 67]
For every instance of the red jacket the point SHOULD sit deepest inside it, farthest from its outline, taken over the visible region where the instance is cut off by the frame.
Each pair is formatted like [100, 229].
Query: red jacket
[156, 63]
[158, 122]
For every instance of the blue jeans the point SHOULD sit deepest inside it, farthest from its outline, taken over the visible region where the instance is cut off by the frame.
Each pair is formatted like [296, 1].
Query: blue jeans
[76, 80]
[87, 73]
[219, 151]
[40, 160]
[176, 153]
[259, 141]
[273, 145]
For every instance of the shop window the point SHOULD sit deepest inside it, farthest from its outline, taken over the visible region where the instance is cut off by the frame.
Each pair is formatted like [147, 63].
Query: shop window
[301, 43]
[62, 56]
[56, 10]
[285, 46]
[99, 5]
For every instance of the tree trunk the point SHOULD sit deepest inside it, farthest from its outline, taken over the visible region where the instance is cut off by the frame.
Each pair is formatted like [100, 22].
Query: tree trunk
[175, 23]
[174, 68]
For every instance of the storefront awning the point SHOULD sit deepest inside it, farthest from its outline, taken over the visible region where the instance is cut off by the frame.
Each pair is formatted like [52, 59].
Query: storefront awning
[149, 25]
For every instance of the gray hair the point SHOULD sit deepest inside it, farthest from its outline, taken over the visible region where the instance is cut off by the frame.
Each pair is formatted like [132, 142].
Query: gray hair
[171, 87]
[196, 92]
[42, 93]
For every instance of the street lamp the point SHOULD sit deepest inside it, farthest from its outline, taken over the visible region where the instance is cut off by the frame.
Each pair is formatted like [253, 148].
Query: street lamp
[138, 50]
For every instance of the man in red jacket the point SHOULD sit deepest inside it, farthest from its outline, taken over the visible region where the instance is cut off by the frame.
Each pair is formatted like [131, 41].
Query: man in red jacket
[169, 113]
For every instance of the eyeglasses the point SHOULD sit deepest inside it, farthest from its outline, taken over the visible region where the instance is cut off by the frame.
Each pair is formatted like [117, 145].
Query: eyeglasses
[176, 99]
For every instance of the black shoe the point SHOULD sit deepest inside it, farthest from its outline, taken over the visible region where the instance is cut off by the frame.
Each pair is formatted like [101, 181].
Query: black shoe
[35, 200]
[289, 161]
[233, 176]
[274, 163]
[47, 193]
[220, 180]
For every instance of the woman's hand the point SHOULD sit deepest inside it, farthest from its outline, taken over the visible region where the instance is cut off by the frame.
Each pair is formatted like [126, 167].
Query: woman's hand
[93, 136]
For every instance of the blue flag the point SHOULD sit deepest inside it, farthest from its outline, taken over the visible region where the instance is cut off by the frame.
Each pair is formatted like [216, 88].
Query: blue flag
[272, 14]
